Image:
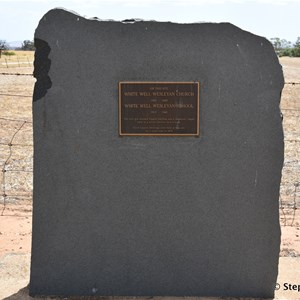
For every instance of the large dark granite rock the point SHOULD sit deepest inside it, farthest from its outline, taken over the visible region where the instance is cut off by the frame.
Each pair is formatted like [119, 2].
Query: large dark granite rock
[154, 215]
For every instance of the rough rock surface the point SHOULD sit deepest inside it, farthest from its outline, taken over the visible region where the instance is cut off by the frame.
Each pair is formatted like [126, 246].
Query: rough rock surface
[154, 215]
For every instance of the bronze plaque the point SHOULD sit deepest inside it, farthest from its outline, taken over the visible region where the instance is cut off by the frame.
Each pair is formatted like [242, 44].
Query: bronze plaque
[159, 108]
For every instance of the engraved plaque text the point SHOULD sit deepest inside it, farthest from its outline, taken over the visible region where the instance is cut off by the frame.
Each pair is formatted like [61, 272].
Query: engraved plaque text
[159, 108]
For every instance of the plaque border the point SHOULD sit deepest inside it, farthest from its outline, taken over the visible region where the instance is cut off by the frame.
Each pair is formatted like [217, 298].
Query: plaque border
[197, 134]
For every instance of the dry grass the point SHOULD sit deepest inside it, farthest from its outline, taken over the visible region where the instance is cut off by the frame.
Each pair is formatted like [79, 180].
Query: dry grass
[20, 59]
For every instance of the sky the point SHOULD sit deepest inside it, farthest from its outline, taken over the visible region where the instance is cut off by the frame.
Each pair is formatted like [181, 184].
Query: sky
[267, 18]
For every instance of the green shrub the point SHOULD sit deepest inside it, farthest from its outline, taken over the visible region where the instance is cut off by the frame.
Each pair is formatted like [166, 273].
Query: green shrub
[8, 53]
[286, 52]
[296, 52]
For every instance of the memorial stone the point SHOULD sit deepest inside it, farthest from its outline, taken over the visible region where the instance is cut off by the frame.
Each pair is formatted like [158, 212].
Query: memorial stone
[158, 150]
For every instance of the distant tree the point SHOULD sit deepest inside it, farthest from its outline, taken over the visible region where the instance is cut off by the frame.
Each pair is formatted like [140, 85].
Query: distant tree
[276, 44]
[285, 44]
[296, 49]
[297, 44]
[28, 45]
[282, 47]
[3, 46]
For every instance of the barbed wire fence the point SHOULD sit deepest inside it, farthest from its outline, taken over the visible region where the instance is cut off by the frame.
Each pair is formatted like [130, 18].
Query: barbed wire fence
[16, 148]
[14, 190]
[13, 61]
[11, 187]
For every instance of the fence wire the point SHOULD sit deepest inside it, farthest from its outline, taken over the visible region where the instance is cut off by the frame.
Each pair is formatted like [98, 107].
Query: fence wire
[15, 61]
[12, 192]
[16, 74]
[7, 191]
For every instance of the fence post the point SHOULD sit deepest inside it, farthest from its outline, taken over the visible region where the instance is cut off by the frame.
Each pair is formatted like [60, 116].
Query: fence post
[6, 62]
